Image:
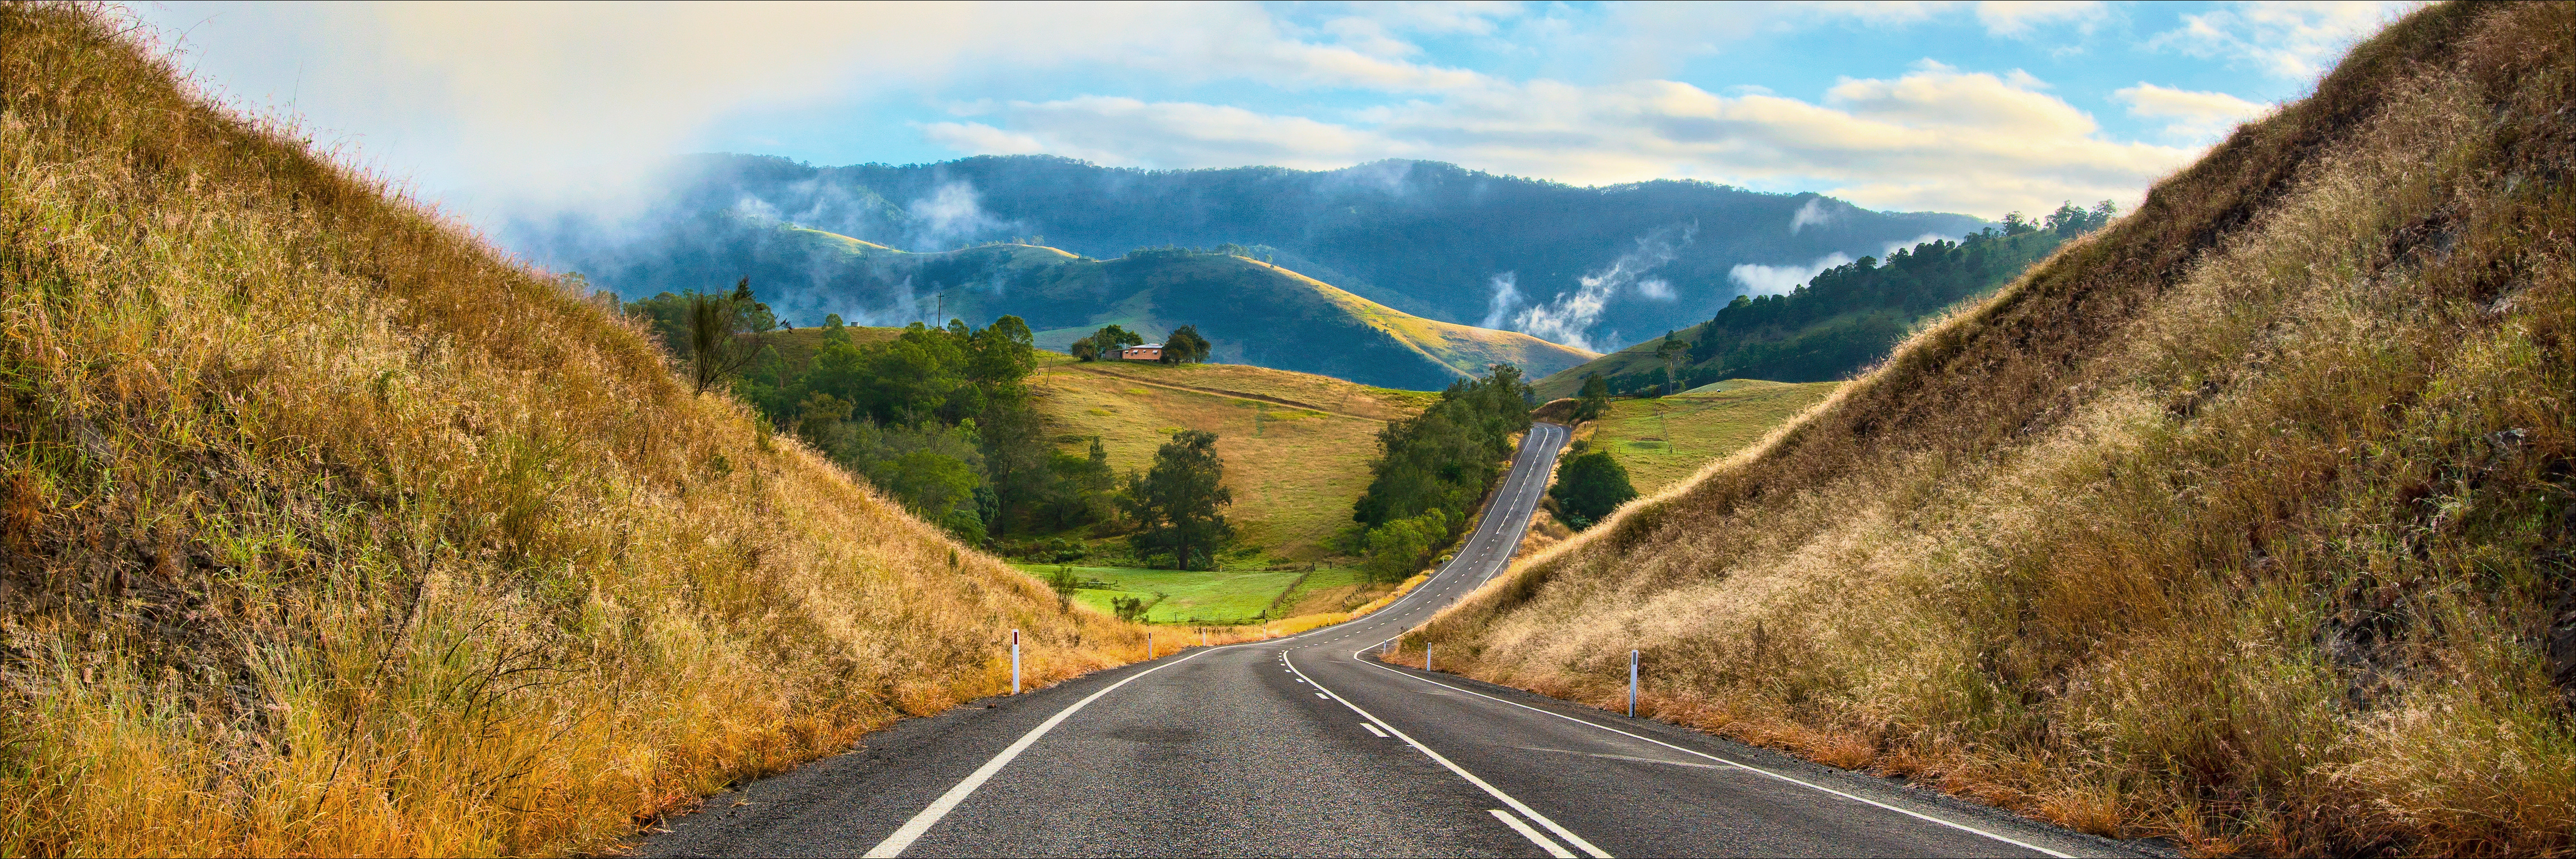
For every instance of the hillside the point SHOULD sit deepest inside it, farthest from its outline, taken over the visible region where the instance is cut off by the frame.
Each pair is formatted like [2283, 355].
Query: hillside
[1430, 239]
[2245, 521]
[1254, 312]
[330, 530]
[1296, 446]
[1840, 321]
[1662, 441]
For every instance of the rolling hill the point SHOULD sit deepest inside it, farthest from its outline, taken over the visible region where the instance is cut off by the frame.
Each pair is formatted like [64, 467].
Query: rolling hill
[2246, 521]
[328, 529]
[1296, 446]
[1254, 312]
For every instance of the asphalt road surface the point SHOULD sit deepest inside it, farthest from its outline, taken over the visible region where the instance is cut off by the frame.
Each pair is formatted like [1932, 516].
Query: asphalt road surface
[1302, 746]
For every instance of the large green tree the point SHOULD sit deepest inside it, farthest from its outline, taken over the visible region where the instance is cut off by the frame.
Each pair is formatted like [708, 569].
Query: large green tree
[1589, 485]
[1178, 505]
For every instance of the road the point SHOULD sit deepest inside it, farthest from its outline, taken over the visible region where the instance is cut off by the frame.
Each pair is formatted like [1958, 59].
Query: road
[1303, 746]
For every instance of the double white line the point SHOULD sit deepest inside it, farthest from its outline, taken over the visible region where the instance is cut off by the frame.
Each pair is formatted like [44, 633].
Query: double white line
[1552, 848]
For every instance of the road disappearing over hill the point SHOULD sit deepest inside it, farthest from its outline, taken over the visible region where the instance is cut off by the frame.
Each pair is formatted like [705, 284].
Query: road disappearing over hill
[1303, 746]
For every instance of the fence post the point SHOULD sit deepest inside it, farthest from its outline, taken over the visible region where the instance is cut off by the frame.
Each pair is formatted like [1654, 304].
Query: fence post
[1632, 684]
[1015, 662]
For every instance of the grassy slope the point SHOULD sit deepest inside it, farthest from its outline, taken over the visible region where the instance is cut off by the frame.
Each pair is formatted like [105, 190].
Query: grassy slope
[1705, 424]
[2245, 520]
[328, 530]
[1638, 357]
[1294, 476]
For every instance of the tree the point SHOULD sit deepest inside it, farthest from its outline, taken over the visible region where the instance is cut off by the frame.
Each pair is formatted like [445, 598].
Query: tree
[1176, 504]
[1395, 550]
[1589, 486]
[1063, 583]
[1594, 399]
[1106, 342]
[1015, 460]
[1671, 350]
[1084, 486]
[1185, 346]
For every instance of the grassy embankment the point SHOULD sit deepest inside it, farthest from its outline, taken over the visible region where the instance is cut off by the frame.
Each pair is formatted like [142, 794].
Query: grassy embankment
[329, 530]
[2245, 521]
[1664, 441]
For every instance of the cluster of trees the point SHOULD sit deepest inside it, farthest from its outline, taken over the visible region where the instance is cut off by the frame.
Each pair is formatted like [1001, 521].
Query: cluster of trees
[1850, 315]
[1185, 346]
[1434, 467]
[1589, 485]
[941, 419]
[938, 418]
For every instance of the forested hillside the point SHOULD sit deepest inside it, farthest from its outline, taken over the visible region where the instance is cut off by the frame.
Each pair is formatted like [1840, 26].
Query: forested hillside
[2244, 521]
[1425, 238]
[328, 529]
[1840, 321]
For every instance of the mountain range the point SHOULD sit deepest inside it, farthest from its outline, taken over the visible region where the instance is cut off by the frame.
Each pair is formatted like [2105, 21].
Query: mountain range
[1585, 267]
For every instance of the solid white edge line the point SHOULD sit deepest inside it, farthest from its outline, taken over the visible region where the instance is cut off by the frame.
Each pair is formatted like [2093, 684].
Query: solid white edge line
[1355, 657]
[1471, 778]
[1552, 848]
[920, 824]
[1372, 728]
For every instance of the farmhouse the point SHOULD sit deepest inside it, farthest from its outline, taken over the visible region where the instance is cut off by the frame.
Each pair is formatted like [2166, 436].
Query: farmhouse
[1142, 352]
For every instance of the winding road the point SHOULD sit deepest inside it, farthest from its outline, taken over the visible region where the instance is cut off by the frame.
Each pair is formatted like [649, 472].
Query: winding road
[1303, 746]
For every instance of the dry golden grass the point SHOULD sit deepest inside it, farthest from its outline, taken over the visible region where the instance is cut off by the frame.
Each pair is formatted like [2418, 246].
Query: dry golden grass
[330, 530]
[2245, 522]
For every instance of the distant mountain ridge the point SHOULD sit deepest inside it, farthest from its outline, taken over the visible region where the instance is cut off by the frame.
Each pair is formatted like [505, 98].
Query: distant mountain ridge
[1254, 312]
[1585, 266]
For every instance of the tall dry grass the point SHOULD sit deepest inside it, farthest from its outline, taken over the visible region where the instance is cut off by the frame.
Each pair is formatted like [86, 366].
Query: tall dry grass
[2246, 521]
[327, 529]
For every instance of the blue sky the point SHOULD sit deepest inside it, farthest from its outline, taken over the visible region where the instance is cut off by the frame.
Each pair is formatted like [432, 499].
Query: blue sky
[1980, 108]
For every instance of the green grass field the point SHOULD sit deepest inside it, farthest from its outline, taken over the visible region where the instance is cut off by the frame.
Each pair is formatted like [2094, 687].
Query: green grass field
[1662, 441]
[1225, 597]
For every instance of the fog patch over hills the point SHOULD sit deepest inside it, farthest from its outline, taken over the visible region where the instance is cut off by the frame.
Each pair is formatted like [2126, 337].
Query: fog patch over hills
[1573, 265]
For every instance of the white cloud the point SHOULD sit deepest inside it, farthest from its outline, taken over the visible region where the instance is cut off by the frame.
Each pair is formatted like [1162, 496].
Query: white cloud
[1128, 132]
[514, 99]
[1780, 279]
[2192, 115]
[1814, 212]
[2016, 18]
[2285, 39]
[1937, 138]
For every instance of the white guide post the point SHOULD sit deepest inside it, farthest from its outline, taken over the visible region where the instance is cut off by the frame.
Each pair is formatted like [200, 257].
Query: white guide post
[1149, 645]
[1632, 684]
[1015, 662]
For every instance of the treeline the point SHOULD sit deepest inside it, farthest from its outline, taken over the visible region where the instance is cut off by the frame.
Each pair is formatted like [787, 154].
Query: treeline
[937, 418]
[1433, 468]
[1850, 315]
[1184, 346]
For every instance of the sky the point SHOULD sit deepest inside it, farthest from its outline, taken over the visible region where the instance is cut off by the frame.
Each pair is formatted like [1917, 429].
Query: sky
[1981, 108]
